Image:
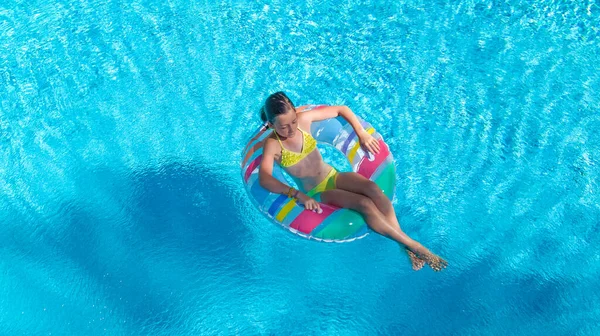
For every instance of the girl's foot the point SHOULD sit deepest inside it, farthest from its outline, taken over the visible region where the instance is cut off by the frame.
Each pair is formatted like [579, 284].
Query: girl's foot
[435, 262]
[417, 263]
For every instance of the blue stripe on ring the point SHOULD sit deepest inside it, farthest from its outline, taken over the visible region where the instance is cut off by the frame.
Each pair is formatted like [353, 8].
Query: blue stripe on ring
[350, 137]
[277, 204]
[268, 202]
[295, 212]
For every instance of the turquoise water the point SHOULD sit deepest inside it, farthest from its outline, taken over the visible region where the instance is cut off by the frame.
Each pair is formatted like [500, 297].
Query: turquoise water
[122, 210]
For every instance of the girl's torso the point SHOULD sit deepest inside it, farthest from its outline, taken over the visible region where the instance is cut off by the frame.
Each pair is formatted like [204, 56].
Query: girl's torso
[301, 159]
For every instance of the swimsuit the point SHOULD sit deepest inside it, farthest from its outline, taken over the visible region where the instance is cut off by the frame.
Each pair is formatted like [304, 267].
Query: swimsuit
[328, 183]
[290, 158]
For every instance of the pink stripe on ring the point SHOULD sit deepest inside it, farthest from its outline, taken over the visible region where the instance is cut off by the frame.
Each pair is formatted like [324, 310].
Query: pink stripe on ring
[366, 168]
[252, 166]
[307, 220]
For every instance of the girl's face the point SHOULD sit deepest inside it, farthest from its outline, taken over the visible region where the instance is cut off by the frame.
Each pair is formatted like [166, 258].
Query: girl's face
[286, 124]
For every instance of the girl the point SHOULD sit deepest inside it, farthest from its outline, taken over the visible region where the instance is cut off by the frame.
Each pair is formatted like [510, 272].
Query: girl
[294, 149]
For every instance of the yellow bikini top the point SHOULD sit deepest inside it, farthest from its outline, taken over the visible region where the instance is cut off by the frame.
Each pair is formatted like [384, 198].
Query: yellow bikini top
[290, 158]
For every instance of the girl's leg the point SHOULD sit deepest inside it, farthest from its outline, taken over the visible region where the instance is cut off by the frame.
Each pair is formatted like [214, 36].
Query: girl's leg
[359, 184]
[378, 222]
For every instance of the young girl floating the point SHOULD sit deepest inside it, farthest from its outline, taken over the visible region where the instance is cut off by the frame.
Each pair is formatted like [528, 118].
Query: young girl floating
[294, 149]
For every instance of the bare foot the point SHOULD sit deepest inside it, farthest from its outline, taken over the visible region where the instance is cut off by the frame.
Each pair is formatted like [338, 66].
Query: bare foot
[435, 262]
[417, 263]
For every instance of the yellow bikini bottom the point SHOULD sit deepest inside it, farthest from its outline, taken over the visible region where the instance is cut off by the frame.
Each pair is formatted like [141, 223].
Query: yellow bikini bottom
[328, 183]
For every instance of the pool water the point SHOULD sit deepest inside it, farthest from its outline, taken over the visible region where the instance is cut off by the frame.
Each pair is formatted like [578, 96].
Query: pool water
[122, 209]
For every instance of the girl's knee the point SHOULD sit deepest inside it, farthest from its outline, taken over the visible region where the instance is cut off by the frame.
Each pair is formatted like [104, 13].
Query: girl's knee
[373, 190]
[365, 205]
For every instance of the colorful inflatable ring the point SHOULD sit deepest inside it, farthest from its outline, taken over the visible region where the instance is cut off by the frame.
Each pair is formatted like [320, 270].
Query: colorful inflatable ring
[333, 224]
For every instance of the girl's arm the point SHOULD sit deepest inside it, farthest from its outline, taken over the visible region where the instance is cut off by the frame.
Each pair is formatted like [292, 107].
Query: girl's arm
[265, 171]
[327, 112]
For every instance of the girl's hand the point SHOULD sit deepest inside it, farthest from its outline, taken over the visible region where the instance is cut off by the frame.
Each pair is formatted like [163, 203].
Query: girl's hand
[369, 142]
[309, 203]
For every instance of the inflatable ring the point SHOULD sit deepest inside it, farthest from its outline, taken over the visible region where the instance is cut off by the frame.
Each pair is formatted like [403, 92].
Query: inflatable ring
[333, 224]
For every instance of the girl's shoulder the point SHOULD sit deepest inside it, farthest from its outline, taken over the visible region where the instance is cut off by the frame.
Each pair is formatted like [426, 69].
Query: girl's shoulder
[269, 142]
[302, 108]
[303, 123]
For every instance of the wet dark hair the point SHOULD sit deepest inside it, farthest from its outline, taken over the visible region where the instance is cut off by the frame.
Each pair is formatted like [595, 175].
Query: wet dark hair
[276, 104]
